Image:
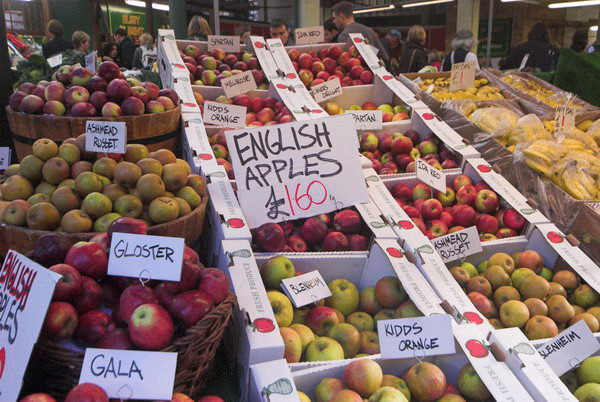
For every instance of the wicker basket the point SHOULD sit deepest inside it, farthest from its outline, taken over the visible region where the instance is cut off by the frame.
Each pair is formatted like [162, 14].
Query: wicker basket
[190, 227]
[55, 369]
[155, 130]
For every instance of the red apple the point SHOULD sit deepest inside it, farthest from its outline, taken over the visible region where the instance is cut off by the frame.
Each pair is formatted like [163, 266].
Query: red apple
[335, 241]
[466, 194]
[69, 286]
[412, 212]
[117, 338]
[92, 326]
[91, 295]
[438, 228]
[421, 190]
[151, 327]
[401, 144]
[313, 231]
[514, 220]
[270, 237]
[191, 306]
[460, 181]
[87, 392]
[127, 225]
[133, 297]
[320, 319]
[431, 209]
[60, 321]
[402, 192]
[347, 221]
[358, 242]
[215, 284]
[297, 244]
[108, 70]
[486, 224]
[152, 89]
[486, 201]
[463, 215]
[88, 258]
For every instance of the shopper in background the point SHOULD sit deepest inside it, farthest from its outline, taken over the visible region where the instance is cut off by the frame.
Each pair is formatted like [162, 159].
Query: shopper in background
[435, 59]
[126, 48]
[57, 43]
[331, 31]
[81, 44]
[537, 53]
[244, 33]
[414, 57]
[461, 50]
[279, 29]
[579, 41]
[145, 55]
[392, 43]
[343, 18]
[110, 52]
[198, 28]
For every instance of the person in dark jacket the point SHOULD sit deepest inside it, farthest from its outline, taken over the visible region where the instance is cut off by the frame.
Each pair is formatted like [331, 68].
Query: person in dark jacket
[126, 48]
[537, 53]
[461, 50]
[413, 57]
[331, 31]
[58, 43]
[579, 41]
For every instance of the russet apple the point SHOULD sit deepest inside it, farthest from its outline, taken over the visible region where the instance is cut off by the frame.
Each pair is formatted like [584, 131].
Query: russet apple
[347, 336]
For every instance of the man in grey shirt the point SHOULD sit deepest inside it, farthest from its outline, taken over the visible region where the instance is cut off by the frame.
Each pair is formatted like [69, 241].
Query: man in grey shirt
[343, 17]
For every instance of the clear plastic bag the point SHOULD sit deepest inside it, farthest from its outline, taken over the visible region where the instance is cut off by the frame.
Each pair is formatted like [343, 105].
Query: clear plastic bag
[495, 120]
[527, 129]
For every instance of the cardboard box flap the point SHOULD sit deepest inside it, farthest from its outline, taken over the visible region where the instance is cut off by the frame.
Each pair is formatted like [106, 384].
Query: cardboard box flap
[367, 53]
[498, 378]
[233, 223]
[182, 85]
[264, 56]
[194, 130]
[398, 88]
[375, 221]
[531, 368]
[272, 381]
[280, 56]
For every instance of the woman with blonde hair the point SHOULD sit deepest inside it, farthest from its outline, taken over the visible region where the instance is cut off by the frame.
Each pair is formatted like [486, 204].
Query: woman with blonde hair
[81, 42]
[414, 57]
[144, 55]
[198, 28]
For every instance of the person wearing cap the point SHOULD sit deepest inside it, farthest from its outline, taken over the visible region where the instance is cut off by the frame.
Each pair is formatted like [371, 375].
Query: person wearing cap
[392, 43]
[461, 50]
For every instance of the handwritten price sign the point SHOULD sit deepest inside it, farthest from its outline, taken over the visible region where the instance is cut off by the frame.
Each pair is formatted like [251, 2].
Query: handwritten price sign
[297, 170]
[462, 75]
[564, 118]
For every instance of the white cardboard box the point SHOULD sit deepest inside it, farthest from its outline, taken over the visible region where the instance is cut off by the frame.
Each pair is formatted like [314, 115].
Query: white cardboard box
[169, 59]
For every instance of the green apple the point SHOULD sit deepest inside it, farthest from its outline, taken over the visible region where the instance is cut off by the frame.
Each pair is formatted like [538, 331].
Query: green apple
[303, 397]
[282, 308]
[328, 387]
[300, 315]
[361, 320]
[347, 336]
[470, 385]
[387, 394]
[355, 107]
[589, 392]
[369, 342]
[344, 296]
[396, 382]
[482, 267]
[385, 314]
[364, 376]
[399, 109]
[368, 301]
[292, 343]
[385, 108]
[589, 370]
[275, 269]
[306, 334]
[324, 349]
[519, 275]
[470, 268]
[408, 310]
[547, 274]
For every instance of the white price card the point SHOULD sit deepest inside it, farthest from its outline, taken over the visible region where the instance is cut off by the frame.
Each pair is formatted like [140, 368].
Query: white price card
[230, 44]
[5, 153]
[569, 348]
[223, 114]
[306, 288]
[130, 374]
[367, 119]
[105, 136]
[238, 84]
[416, 337]
[25, 292]
[564, 118]
[458, 245]
[91, 60]
[55, 60]
[296, 170]
[327, 90]
[462, 75]
[145, 256]
[430, 175]
[309, 35]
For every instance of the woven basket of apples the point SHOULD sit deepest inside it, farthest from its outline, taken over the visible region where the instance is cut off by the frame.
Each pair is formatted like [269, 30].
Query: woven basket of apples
[66, 189]
[92, 309]
[59, 109]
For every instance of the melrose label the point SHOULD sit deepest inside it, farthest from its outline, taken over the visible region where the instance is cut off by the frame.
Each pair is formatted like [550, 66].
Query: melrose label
[223, 114]
[458, 245]
[226, 43]
[416, 337]
[306, 288]
[430, 175]
[109, 137]
[238, 84]
[146, 257]
[130, 374]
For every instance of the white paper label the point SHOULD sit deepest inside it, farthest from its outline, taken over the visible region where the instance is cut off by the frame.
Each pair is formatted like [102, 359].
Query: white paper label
[327, 90]
[55, 60]
[230, 44]
[90, 61]
[297, 170]
[310, 35]
[265, 58]
[462, 75]
[367, 119]
[4, 158]
[524, 61]
[306, 288]
[564, 118]
[458, 245]
[130, 374]
[399, 89]
[569, 348]
[430, 175]
[223, 114]
[105, 136]
[281, 57]
[147, 257]
[25, 292]
[368, 52]
[416, 337]
[238, 84]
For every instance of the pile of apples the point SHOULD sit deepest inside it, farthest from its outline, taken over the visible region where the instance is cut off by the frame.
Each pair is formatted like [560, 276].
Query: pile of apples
[69, 189]
[76, 92]
[584, 382]
[389, 112]
[393, 153]
[343, 230]
[210, 68]
[464, 204]
[519, 291]
[364, 380]
[260, 111]
[315, 68]
[342, 326]
[144, 316]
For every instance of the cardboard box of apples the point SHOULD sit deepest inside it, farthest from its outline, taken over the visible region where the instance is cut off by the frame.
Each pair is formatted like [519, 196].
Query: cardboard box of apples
[92, 309]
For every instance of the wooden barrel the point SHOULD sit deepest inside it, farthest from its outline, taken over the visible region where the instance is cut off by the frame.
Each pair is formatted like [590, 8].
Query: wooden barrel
[155, 130]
